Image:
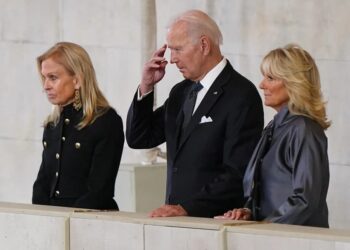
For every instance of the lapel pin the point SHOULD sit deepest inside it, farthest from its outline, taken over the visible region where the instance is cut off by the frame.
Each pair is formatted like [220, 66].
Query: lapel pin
[215, 93]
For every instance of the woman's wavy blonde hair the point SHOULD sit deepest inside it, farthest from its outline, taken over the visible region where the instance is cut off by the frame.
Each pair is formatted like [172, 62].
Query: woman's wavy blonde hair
[299, 73]
[78, 63]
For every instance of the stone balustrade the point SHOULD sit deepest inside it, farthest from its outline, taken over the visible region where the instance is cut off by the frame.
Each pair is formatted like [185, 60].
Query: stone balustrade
[25, 226]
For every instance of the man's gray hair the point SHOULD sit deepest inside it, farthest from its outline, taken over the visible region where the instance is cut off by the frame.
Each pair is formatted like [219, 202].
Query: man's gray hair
[198, 24]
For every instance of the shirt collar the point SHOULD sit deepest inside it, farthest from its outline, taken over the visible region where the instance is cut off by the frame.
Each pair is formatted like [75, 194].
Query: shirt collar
[210, 77]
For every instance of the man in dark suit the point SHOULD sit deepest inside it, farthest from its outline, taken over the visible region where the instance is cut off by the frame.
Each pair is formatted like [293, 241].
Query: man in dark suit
[208, 150]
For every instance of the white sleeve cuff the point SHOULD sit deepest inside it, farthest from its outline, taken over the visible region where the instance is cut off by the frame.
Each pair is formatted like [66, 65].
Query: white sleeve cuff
[139, 96]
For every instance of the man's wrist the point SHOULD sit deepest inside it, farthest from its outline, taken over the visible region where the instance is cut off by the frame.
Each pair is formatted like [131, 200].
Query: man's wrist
[145, 89]
[141, 94]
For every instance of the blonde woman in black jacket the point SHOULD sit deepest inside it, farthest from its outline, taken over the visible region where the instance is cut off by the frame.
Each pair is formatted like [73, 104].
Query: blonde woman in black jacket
[83, 136]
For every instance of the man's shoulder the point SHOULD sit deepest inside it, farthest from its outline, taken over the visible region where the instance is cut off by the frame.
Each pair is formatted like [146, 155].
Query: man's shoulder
[238, 85]
[236, 79]
[180, 86]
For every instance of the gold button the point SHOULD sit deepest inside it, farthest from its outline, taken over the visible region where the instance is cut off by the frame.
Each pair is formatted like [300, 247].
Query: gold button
[63, 138]
[66, 121]
[77, 145]
[57, 156]
[45, 144]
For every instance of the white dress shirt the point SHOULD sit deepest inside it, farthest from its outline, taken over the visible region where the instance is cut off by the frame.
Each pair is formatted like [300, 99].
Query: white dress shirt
[208, 80]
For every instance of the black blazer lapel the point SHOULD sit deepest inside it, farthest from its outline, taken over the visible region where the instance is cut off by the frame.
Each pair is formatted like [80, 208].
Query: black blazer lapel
[209, 100]
[203, 109]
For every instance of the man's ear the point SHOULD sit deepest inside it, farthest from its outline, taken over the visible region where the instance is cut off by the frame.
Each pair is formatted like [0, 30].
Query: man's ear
[205, 44]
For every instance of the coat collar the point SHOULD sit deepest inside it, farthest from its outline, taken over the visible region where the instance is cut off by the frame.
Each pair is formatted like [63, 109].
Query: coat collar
[281, 116]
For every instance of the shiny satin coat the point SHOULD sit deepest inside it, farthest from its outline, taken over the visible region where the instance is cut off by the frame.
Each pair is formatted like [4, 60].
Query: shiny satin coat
[79, 167]
[294, 173]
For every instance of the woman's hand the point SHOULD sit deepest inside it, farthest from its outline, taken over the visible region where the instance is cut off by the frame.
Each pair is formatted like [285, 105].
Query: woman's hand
[236, 214]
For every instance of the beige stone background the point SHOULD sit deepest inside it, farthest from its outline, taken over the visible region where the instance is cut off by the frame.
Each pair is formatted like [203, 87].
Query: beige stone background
[119, 34]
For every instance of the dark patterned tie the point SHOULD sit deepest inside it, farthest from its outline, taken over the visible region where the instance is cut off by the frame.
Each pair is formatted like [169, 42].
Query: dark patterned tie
[190, 103]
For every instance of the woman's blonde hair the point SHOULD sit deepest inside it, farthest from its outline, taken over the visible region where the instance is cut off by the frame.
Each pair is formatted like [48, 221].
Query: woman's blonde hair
[299, 73]
[78, 63]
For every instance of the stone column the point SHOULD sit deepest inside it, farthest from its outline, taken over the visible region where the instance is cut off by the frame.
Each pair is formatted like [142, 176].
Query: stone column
[148, 46]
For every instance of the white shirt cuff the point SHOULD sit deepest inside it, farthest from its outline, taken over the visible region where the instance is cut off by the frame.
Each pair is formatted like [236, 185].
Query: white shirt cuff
[139, 96]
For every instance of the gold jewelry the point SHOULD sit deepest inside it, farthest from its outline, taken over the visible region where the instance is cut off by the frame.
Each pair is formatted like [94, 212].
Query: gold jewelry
[77, 101]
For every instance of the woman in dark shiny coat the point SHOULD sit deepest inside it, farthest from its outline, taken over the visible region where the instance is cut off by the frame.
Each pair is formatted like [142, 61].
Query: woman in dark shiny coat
[83, 136]
[287, 178]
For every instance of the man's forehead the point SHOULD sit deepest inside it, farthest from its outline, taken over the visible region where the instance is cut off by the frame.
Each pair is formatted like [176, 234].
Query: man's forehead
[177, 36]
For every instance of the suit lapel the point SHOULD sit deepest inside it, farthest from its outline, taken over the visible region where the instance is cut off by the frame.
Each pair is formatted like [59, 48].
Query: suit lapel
[203, 109]
[209, 100]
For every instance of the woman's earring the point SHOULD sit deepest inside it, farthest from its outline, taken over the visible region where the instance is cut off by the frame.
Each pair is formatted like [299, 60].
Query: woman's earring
[77, 100]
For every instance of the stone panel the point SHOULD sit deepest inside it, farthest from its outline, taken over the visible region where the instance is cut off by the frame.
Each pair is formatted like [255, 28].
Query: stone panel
[111, 23]
[33, 232]
[23, 105]
[173, 238]
[254, 27]
[105, 234]
[334, 81]
[29, 21]
[237, 241]
[339, 216]
[20, 162]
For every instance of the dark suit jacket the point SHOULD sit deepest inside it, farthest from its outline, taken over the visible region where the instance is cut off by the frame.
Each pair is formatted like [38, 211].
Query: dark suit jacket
[294, 173]
[206, 168]
[79, 167]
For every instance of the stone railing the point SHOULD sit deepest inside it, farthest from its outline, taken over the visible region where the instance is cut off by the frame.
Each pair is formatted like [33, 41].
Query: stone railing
[24, 226]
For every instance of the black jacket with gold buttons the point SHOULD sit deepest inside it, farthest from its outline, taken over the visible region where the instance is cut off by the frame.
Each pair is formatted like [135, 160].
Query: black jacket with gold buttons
[79, 167]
